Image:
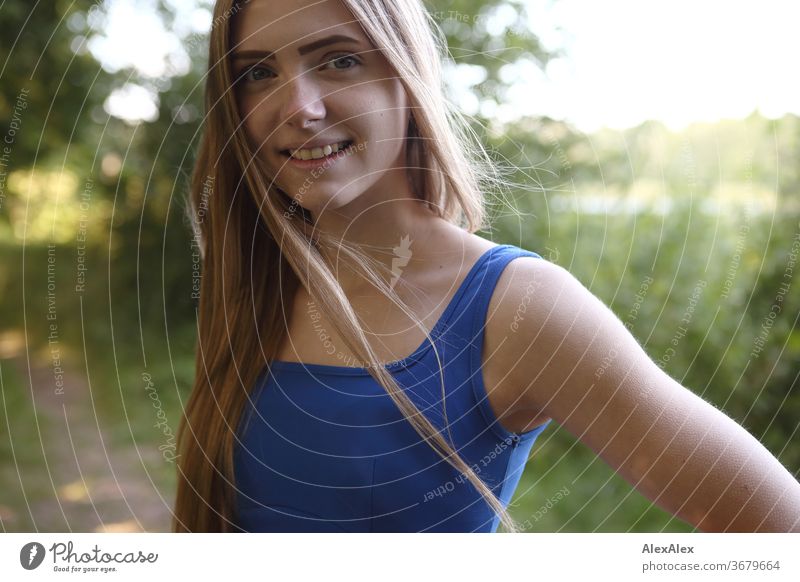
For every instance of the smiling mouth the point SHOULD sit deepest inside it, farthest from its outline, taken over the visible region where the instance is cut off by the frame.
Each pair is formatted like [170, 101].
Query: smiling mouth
[318, 153]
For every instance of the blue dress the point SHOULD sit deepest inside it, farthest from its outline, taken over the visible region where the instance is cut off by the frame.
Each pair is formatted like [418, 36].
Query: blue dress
[324, 449]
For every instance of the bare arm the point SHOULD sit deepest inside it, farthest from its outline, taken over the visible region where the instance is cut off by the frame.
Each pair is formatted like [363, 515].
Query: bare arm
[574, 361]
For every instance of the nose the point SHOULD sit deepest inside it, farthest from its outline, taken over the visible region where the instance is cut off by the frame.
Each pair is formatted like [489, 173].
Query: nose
[301, 101]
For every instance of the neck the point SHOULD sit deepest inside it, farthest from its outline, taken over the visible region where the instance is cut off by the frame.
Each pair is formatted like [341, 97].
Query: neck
[390, 233]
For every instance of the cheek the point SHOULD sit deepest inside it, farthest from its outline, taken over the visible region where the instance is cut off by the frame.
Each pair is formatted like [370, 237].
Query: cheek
[255, 122]
[380, 103]
[394, 117]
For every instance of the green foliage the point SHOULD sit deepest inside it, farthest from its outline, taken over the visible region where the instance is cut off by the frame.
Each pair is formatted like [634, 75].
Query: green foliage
[488, 35]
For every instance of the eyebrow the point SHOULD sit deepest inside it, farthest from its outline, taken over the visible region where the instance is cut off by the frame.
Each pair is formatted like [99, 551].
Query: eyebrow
[303, 50]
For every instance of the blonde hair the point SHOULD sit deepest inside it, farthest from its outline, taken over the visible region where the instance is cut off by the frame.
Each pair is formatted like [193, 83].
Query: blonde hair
[248, 227]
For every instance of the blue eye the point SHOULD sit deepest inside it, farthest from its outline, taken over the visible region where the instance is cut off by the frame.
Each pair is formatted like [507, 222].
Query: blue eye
[254, 73]
[343, 59]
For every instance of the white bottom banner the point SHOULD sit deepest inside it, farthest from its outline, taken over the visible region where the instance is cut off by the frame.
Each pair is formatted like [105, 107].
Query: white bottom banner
[354, 557]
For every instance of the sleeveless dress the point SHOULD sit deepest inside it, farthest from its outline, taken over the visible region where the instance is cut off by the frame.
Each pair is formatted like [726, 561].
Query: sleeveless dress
[323, 448]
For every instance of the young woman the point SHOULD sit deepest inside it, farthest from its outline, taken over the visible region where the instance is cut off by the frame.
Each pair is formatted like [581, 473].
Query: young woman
[365, 361]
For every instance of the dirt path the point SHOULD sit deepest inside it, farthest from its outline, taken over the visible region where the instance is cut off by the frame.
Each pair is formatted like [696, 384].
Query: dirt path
[84, 483]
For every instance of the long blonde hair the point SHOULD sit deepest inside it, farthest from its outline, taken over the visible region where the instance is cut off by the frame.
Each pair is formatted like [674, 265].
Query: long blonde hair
[243, 225]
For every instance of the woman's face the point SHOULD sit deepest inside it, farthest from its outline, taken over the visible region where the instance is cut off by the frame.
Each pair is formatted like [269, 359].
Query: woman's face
[309, 82]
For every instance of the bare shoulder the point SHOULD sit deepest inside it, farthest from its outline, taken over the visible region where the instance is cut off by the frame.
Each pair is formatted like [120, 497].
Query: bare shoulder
[546, 338]
[563, 353]
[526, 286]
[517, 305]
[525, 294]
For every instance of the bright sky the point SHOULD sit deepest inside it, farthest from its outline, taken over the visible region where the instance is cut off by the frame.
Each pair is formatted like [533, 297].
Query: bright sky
[627, 61]
[677, 61]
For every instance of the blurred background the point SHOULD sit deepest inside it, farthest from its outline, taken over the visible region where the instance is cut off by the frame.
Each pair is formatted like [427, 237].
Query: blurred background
[654, 147]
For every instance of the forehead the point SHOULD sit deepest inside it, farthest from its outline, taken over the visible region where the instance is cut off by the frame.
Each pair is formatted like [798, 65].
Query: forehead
[277, 24]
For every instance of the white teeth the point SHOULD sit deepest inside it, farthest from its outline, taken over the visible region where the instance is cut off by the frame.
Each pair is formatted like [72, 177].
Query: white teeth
[318, 152]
